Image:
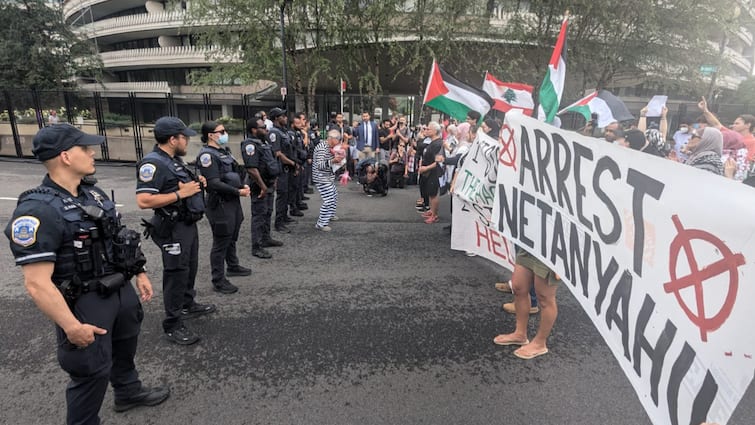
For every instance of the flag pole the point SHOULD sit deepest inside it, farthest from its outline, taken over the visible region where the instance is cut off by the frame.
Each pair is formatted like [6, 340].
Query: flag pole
[340, 90]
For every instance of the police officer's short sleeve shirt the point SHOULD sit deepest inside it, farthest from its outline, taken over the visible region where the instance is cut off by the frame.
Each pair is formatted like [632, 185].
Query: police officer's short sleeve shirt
[249, 154]
[275, 141]
[209, 163]
[153, 176]
[35, 232]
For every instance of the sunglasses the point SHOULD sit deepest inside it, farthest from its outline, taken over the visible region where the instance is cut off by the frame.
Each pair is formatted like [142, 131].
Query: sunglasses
[219, 131]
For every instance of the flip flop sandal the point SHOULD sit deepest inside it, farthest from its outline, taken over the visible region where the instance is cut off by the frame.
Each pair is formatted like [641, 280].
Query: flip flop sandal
[499, 342]
[530, 356]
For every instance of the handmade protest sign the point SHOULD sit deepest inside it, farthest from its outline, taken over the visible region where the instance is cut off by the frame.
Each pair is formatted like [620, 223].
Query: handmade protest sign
[642, 244]
[474, 193]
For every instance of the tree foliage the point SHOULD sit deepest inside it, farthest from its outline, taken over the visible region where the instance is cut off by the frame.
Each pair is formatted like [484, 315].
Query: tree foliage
[38, 48]
[610, 43]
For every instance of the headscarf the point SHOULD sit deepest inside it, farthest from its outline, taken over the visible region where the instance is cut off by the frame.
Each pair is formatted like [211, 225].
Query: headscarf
[463, 130]
[711, 141]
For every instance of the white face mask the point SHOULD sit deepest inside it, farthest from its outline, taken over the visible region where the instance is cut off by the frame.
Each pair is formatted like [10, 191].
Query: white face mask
[683, 129]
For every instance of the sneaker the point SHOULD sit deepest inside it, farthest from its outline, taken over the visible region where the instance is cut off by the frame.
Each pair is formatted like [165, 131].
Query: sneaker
[503, 287]
[261, 253]
[423, 210]
[289, 220]
[334, 218]
[509, 308]
[303, 207]
[432, 219]
[197, 310]
[225, 287]
[271, 243]
[323, 228]
[238, 271]
[282, 229]
[182, 336]
[145, 397]
[297, 213]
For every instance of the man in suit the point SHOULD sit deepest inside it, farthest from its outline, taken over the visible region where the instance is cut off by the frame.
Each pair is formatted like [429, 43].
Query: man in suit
[367, 137]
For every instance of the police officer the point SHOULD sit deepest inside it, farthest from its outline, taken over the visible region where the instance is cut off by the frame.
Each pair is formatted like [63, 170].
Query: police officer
[224, 187]
[263, 168]
[299, 136]
[282, 147]
[166, 185]
[65, 235]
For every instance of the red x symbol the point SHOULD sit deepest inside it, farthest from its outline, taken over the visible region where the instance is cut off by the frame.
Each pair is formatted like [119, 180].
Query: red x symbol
[507, 154]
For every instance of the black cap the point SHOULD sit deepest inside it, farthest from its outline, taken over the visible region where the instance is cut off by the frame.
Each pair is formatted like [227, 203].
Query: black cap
[49, 142]
[171, 126]
[275, 113]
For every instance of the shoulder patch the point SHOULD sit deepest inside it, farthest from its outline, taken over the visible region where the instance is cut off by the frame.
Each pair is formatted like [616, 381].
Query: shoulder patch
[205, 159]
[25, 230]
[147, 172]
[249, 149]
[273, 137]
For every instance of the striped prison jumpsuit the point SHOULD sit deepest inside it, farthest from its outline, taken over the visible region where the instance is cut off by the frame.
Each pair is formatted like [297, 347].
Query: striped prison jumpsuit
[324, 178]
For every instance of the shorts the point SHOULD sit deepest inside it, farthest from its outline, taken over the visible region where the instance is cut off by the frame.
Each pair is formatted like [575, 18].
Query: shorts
[430, 186]
[525, 259]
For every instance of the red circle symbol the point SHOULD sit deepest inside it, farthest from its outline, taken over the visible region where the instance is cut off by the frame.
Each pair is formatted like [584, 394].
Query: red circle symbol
[729, 262]
[507, 154]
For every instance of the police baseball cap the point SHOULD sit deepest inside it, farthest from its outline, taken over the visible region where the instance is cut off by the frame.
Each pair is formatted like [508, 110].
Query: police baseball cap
[275, 113]
[171, 126]
[50, 141]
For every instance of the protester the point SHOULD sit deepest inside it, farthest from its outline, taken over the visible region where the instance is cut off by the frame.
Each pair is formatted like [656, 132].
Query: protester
[397, 166]
[325, 159]
[681, 137]
[430, 171]
[704, 151]
[731, 140]
[528, 271]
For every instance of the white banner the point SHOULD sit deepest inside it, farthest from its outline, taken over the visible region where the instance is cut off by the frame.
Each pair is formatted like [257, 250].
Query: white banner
[659, 255]
[470, 232]
[473, 204]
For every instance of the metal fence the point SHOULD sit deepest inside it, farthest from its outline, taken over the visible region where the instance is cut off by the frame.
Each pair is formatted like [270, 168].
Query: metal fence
[127, 119]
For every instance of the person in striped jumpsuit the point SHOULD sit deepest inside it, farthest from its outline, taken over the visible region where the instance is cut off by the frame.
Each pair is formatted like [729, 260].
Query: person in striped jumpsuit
[325, 160]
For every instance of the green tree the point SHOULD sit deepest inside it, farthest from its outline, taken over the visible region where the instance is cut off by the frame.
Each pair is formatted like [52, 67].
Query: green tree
[610, 43]
[745, 93]
[38, 48]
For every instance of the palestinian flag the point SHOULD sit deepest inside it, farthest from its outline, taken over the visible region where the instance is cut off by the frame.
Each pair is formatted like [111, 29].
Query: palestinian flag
[608, 107]
[553, 84]
[508, 96]
[449, 95]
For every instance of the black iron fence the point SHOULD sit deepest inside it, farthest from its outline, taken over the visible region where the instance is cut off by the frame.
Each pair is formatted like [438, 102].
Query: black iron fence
[127, 119]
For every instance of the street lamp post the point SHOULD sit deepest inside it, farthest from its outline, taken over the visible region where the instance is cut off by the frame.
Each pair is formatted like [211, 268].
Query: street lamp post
[284, 89]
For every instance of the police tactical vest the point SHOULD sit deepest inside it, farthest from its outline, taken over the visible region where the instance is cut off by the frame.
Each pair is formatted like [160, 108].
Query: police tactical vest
[194, 204]
[77, 230]
[228, 165]
[287, 147]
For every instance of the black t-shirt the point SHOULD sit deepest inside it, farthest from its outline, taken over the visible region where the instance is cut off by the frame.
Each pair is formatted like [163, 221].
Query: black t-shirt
[385, 143]
[428, 156]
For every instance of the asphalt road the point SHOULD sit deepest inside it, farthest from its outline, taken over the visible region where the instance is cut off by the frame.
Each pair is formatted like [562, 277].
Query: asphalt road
[377, 322]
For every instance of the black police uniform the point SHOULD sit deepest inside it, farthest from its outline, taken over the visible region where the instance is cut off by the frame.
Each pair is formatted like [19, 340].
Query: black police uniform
[280, 141]
[174, 231]
[252, 152]
[224, 213]
[295, 189]
[49, 225]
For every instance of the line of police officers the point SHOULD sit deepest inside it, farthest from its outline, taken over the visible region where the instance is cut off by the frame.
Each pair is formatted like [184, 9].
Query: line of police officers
[78, 260]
